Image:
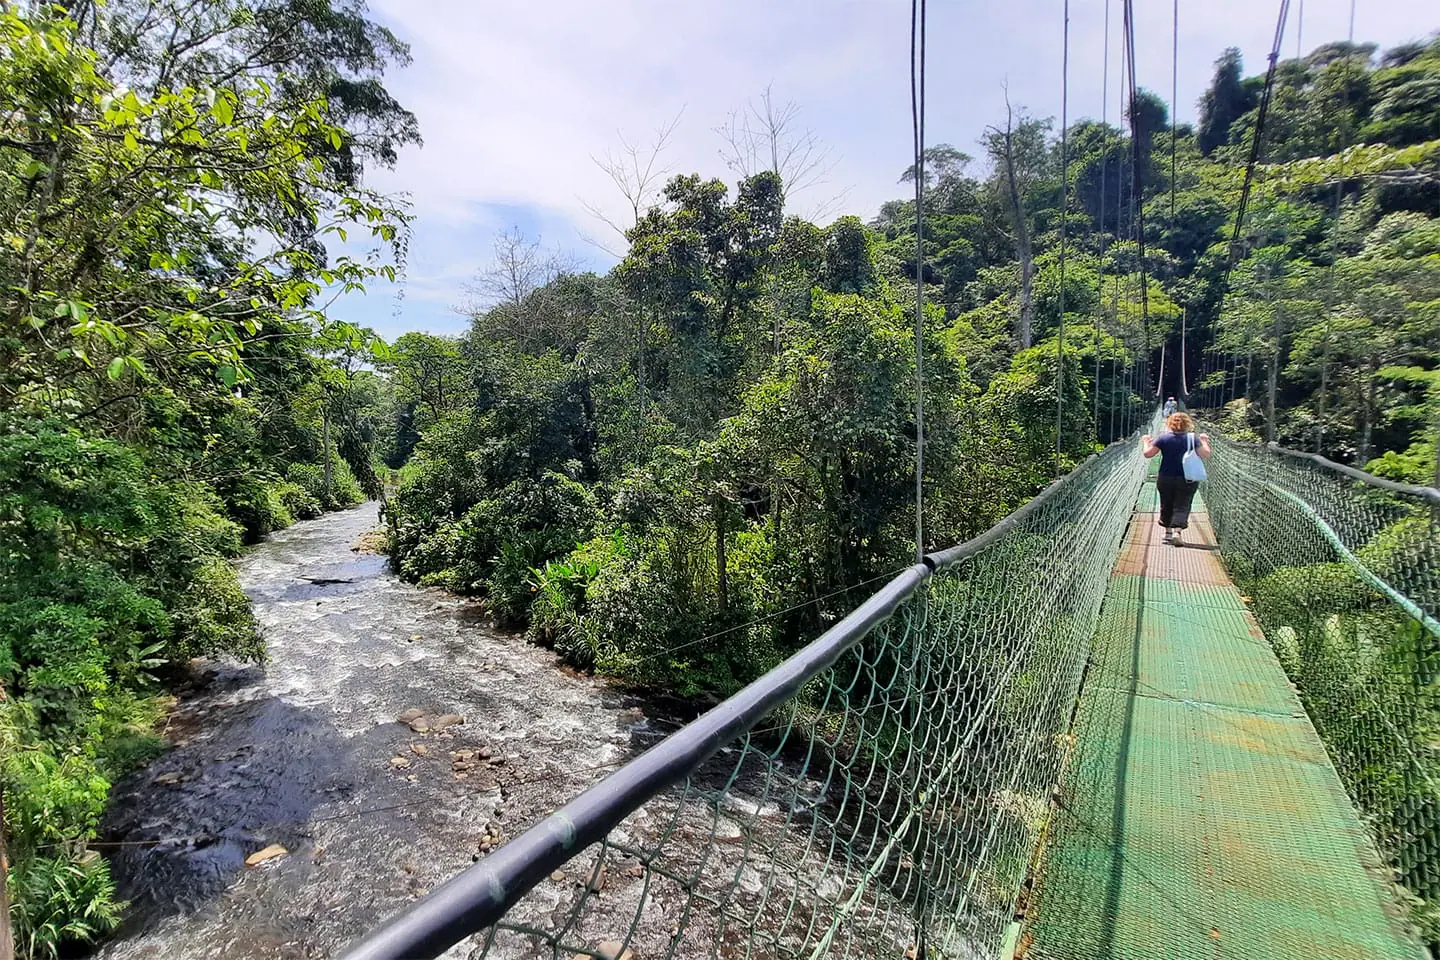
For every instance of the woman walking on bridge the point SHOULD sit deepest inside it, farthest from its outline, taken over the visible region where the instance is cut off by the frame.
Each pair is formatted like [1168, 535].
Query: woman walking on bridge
[1176, 492]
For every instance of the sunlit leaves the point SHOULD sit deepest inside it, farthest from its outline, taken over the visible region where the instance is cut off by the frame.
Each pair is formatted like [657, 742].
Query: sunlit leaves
[193, 182]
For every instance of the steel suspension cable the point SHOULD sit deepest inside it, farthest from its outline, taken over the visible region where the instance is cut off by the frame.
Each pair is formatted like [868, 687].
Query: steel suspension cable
[1137, 194]
[1064, 212]
[1300, 31]
[1104, 180]
[1330, 272]
[917, 121]
[1256, 140]
[1119, 282]
[1174, 140]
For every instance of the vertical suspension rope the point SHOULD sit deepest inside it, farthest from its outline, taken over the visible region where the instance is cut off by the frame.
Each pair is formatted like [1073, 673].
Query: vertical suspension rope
[1137, 195]
[1256, 139]
[1104, 180]
[1330, 272]
[1174, 140]
[1184, 381]
[1064, 211]
[917, 122]
[1121, 233]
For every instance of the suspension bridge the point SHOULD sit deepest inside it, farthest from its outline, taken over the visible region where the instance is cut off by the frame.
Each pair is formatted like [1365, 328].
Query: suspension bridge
[1062, 739]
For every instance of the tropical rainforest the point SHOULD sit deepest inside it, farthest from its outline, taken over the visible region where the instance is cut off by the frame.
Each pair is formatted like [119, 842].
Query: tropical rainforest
[673, 473]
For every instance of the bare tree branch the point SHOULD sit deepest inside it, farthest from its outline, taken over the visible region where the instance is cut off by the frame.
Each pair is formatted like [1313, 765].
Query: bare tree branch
[638, 170]
[521, 266]
[769, 136]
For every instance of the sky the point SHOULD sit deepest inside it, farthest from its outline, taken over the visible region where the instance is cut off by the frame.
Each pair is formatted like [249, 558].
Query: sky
[517, 98]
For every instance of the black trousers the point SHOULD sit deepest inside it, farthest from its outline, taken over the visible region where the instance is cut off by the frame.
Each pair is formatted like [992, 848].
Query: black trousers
[1176, 495]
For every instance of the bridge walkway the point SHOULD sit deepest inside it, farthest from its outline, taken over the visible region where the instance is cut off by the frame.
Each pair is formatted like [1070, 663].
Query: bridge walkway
[1199, 814]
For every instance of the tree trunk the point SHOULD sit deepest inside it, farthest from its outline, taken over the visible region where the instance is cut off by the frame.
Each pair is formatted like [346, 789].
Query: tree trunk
[722, 579]
[1023, 252]
[1437, 443]
[1367, 412]
[1271, 391]
[640, 367]
[325, 417]
[775, 510]
[7, 945]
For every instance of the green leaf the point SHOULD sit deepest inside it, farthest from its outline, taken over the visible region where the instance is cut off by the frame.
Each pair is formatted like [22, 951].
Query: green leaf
[223, 111]
[115, 368]
[228, 374]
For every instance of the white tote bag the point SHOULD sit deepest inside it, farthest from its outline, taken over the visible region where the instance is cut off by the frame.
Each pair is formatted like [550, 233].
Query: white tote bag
[1193, 465]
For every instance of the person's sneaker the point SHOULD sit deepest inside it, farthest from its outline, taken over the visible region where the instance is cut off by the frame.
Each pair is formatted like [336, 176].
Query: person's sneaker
[1169, 535]
[1175, 539]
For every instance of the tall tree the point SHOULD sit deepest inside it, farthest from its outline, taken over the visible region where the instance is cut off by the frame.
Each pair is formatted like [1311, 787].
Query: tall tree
[1021, 157]
[1223, 102]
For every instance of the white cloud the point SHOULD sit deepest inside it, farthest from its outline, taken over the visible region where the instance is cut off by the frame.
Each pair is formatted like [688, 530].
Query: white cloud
[514, 97]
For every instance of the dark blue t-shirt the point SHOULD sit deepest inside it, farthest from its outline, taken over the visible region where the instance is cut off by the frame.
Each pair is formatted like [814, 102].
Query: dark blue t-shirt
[1173, 447]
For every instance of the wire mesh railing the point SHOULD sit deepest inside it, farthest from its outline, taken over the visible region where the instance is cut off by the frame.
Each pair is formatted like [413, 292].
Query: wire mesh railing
[1342, 570]
[880, 793]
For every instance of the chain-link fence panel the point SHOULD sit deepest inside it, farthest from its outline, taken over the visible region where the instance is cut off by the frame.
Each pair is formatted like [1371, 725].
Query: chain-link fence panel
[878, 795]
[1343, 573]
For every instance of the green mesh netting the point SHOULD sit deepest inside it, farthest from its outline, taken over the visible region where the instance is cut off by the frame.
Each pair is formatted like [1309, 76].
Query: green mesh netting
[1344, 578]
[890, 809]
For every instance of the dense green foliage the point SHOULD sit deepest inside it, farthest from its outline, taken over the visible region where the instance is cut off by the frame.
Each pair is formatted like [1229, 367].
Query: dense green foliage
[1329, 333]
[169, 386]
[675, 472]
[680, 470]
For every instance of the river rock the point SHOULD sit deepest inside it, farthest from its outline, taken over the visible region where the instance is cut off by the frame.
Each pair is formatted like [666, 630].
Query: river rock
[269, 853]
[411, 715]
[419, 749]
[420, 726]
[446, 720]
[613, 950]
[400, 763]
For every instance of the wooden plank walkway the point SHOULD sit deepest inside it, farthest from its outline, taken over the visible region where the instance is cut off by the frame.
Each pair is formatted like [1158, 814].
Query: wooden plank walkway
[1199, 814]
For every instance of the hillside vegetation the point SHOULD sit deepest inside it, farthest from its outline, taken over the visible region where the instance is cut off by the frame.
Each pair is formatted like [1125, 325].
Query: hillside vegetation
[680, 471]
[674, 473]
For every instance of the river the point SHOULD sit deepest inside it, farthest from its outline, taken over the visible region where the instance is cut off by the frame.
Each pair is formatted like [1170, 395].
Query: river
[306, 752]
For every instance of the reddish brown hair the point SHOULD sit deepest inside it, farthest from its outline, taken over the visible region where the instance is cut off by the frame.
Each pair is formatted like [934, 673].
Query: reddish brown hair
[1179, 423]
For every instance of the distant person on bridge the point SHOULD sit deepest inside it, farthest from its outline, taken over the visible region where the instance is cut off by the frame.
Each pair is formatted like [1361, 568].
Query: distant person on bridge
[1176, 493]
[1170, 406]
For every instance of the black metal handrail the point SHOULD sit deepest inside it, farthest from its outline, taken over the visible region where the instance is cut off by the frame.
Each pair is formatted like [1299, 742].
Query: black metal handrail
[479, 896]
